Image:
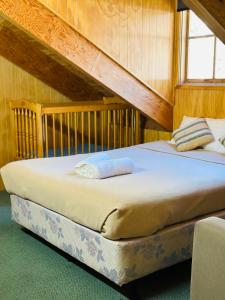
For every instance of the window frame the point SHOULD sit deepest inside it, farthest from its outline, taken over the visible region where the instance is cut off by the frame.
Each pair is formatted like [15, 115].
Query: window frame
[186, 79]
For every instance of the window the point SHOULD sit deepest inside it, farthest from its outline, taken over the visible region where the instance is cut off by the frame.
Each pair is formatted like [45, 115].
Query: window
[205, 59]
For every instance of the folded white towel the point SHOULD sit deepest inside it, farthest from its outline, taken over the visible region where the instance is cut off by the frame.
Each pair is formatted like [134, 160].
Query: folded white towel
[99, 169]
[92, 159]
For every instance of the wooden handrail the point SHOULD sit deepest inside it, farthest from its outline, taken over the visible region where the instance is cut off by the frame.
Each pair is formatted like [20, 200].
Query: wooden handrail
[23, 103]
[83, 108]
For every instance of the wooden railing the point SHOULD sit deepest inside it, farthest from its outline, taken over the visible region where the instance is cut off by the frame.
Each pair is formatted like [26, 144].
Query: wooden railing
[71, 128]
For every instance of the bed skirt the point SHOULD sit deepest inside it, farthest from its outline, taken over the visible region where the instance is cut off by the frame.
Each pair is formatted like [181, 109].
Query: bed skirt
[120, 261]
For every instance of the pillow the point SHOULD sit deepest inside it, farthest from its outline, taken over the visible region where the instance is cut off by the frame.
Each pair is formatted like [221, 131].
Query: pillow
[192, 135]
[217, 127]
[222, 140]
[183, 123]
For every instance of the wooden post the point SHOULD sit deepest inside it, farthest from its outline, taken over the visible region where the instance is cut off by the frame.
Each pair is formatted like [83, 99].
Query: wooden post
[39, 130]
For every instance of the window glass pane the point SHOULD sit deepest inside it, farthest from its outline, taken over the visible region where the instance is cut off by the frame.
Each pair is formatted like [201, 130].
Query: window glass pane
[220, 60]
[197, 27]
[200, 58]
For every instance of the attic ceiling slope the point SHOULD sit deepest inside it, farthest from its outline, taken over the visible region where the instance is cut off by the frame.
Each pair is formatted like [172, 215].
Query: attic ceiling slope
[73, 52]
[212, 13]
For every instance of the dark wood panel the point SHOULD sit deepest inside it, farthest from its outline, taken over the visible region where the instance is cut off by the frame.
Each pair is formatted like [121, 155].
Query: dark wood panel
[66, 46]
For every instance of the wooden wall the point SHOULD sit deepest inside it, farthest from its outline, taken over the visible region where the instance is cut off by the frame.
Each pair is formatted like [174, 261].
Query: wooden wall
[150, 135]
[137, 33]
[195, 101]
[17, 84]
[199, 101]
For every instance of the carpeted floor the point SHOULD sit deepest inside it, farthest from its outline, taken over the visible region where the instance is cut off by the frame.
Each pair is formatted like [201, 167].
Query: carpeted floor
[32, 269]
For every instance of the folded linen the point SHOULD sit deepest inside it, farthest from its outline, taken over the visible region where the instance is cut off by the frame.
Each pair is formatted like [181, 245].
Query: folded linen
[92, 159]
[96, 168]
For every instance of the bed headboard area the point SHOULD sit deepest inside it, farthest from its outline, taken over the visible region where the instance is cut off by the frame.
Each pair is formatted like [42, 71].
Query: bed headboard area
[199, 101]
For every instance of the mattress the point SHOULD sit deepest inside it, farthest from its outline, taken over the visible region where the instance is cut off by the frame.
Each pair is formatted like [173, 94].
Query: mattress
[119, 261]
[165, 188]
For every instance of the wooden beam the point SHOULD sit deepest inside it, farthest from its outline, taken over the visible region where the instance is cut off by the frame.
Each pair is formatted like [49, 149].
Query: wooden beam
[67, 47]
[27, 54]
[212, 13]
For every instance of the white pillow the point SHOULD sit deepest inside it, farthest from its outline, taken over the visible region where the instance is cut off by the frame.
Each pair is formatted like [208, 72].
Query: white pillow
[183, 123]
[217, 127]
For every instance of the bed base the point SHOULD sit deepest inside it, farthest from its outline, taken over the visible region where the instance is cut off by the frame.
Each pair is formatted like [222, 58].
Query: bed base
[120, 261]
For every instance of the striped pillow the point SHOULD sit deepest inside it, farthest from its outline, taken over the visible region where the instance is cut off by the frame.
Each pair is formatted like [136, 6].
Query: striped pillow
[222, 140]
[192, 135]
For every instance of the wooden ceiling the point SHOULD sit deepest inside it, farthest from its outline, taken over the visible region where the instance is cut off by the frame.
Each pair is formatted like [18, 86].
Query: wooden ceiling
[40, 42]
[212, 12]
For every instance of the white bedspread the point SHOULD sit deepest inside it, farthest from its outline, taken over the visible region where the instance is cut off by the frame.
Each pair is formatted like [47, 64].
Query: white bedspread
[165, 188]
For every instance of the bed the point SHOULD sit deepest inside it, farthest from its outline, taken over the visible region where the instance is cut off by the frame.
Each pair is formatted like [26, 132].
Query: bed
[127, 226]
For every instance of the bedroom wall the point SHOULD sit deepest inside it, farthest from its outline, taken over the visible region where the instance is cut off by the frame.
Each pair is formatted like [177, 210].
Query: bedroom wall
[137, 33]
[196, 101]
[199, 101]
[17, 84]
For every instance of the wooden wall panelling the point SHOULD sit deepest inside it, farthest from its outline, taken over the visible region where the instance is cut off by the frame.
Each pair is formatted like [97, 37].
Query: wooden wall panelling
[194, 101]
[54, 4]
[17, 84]
[145, 50]
[123, 33]
[70, 11]
[156, 135]
[137, 33]
[199, 102]
[135, 38]
[99, 21]
[59, 6]
[159, 45]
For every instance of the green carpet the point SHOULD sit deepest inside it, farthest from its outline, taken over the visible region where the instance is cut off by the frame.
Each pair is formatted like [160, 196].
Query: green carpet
[32, 269]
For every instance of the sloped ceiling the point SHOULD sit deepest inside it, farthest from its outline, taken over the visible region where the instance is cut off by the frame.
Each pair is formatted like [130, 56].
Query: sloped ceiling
[40, 42]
